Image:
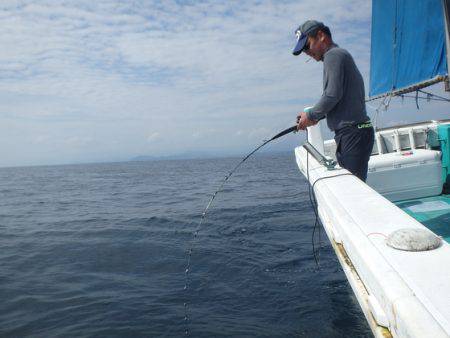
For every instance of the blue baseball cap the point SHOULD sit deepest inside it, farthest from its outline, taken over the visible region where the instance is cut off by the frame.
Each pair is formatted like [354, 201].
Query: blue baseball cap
[302, 34]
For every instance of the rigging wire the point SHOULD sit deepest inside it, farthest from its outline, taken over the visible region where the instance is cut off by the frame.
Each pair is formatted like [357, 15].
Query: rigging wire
[425, 98]
[387, 98]
[431, 95]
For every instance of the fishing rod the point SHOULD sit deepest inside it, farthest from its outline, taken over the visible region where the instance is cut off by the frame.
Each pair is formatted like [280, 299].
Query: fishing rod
[189, 253]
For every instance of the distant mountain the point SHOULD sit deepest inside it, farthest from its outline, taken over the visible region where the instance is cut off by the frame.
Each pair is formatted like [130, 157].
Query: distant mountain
[199, 155]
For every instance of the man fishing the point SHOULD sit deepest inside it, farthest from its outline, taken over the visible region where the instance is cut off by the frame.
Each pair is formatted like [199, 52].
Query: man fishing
[342, 101]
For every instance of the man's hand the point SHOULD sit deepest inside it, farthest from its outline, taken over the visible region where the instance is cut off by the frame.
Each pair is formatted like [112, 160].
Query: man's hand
[303, 121]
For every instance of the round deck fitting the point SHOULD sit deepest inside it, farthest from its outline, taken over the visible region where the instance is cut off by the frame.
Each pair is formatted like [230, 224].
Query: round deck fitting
[413, 240]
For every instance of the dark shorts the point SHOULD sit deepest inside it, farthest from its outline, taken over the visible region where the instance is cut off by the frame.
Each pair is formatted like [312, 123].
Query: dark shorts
[353, 148]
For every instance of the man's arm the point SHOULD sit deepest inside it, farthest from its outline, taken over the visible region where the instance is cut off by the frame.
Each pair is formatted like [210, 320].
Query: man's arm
[333, 68]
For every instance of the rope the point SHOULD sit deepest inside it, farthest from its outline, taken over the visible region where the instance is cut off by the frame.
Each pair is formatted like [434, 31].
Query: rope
[383, 104]
[429, 95]
[413, 88]
[417, 99]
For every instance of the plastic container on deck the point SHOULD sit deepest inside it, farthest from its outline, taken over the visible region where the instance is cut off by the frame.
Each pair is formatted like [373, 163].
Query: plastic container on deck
[405, 175]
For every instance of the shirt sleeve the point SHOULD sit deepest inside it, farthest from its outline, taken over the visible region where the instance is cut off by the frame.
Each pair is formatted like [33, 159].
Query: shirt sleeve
[333, 84]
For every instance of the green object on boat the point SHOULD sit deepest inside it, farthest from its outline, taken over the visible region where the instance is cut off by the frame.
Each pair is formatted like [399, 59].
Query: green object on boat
[444, 140]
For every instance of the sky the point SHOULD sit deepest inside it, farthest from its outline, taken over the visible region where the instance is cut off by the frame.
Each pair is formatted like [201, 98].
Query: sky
[97, 81]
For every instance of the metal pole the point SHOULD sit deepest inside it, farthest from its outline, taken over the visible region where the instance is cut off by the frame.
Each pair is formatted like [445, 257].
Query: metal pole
[446, 10]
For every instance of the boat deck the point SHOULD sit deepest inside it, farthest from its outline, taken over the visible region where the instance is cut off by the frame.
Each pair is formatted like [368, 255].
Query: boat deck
[433, 212]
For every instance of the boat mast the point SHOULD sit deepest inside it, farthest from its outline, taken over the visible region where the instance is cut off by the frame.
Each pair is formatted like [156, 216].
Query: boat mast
[446, 6]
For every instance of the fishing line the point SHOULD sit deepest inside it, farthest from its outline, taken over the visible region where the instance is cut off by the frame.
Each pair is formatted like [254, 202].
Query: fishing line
[315, 206]
[189, 252]
[313, 201]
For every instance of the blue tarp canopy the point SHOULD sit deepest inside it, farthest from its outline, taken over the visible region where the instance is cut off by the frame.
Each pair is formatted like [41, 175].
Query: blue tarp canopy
[408, 44]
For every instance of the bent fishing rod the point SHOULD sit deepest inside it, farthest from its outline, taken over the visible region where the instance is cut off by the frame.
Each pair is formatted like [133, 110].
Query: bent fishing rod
[189, 252]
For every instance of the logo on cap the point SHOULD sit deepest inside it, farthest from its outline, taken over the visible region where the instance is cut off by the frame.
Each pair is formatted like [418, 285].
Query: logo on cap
[302, 34]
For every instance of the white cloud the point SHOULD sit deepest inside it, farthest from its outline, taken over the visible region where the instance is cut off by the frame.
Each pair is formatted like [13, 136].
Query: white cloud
[79, 141]
[153, 137]
[42, 139]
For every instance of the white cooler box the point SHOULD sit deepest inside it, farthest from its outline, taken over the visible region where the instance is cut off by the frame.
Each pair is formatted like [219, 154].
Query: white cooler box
[407, 174]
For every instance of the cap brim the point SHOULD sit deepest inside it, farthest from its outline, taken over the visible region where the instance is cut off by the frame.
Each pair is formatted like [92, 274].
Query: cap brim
[300, 45]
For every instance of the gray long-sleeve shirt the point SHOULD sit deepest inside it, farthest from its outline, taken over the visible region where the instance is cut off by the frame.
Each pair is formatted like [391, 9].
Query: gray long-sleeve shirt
[343, 98]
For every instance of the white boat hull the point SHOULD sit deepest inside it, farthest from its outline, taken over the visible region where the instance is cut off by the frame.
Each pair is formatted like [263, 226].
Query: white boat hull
[405, 294]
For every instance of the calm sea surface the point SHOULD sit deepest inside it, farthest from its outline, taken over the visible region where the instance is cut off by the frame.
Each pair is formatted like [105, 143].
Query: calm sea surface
[99, 250]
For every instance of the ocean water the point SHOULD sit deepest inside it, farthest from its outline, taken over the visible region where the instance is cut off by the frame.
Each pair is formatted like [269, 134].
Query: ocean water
[99, 250]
